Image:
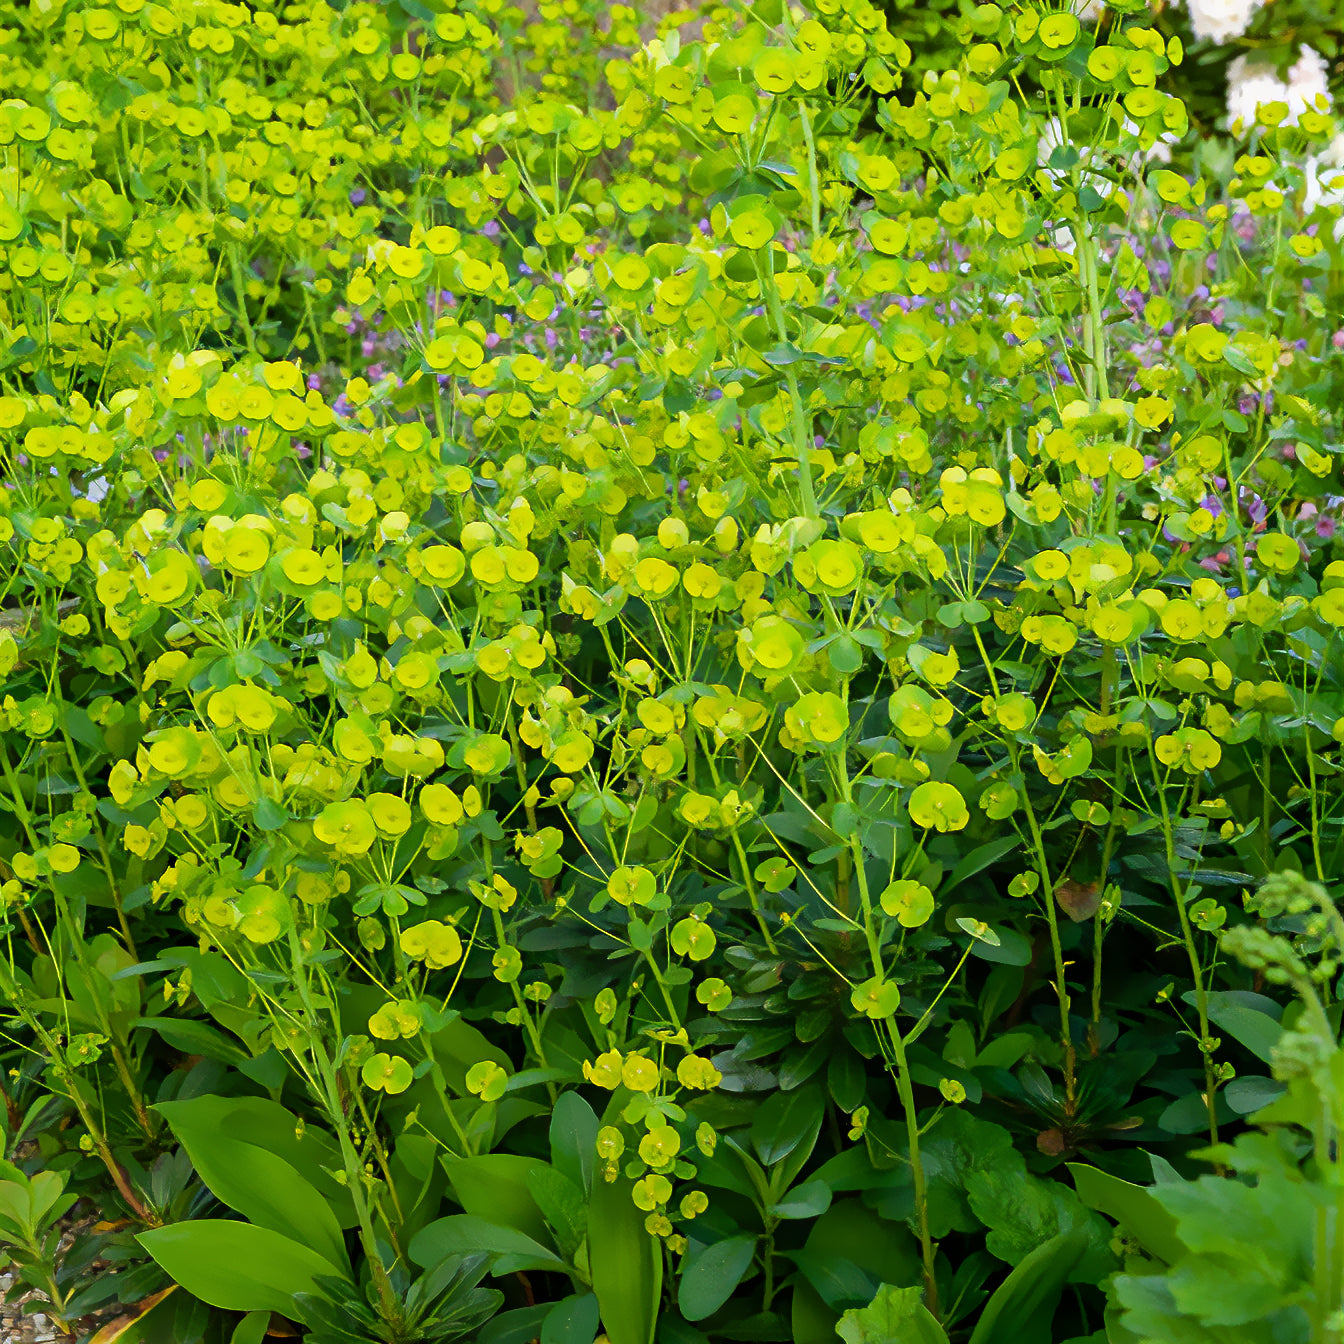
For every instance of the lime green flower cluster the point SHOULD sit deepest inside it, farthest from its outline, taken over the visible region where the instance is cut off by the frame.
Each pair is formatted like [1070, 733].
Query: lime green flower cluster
[591, 607]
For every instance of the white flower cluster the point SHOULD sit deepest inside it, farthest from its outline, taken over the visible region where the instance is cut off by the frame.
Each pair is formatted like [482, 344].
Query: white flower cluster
[1251, 84]
[1325, 182]
[1221, 20]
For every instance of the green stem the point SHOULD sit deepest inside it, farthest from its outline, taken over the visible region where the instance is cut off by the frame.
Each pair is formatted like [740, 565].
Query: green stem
[926, 1246]
[1056, 947]
[353, 1167]
[1192, 953]
[802, 444]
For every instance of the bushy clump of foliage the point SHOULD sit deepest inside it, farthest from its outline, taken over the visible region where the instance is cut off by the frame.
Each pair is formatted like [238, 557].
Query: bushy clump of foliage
[643, 679]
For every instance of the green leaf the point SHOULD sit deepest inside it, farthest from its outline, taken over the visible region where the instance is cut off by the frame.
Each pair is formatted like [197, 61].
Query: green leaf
[894, 1316]
[264, 1188]
[850, 1251]
[1190, 1114]
[258, 1120]
[1239, 360]
[626, 1263]
[562, 1203]
[573, 1134]
[809, 1200]
[846, 655]
[1022, 1309]
[251, 1329]
[979, 858]
[787, 1122]
[494, 1186]
[1251, 1093]
[958, 1145]
[1023, 1211]
[82, 728]
[194, 1037]
[710, 1276]
[1246, 1024]
[236, 1266]
[269, 815]
[463, 1234]
[1136, 1211]
[571, 1321]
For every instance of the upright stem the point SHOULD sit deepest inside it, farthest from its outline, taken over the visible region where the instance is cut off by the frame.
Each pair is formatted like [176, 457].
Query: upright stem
[802, 443]
[1196, 970]
[1098, 932]
[354, 1169]
[240, 291]
[907, 1095]
[1056, 947]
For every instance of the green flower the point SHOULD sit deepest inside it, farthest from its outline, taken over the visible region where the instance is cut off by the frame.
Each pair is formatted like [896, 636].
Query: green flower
[693, 938]
[714, 994]
[911, 903]
[632, 886]
[346, 827]
[438, 945]
[938, 806]
[876, 998]
[1278, 552]
[386, 1073]
[775, 645]
[487, 1080]
[819, 719]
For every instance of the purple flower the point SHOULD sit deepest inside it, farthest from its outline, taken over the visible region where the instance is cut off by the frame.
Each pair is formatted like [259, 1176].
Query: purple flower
[357, 196]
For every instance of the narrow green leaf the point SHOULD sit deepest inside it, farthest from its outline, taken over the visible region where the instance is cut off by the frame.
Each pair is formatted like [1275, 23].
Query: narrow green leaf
[1138, 1213]
[626, 1263]
[1023, 1307]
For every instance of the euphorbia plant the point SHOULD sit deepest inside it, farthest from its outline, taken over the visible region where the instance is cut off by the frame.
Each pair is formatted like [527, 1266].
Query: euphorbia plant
[612, 762]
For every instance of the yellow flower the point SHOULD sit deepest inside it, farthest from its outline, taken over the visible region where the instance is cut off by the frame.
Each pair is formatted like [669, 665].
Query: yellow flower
[438, 945]
[656, 577]
[605, 1071]
[246, 549]
[346, 827]
[303, 567]
[440, 805]
[639, 1074]
[391, 815]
